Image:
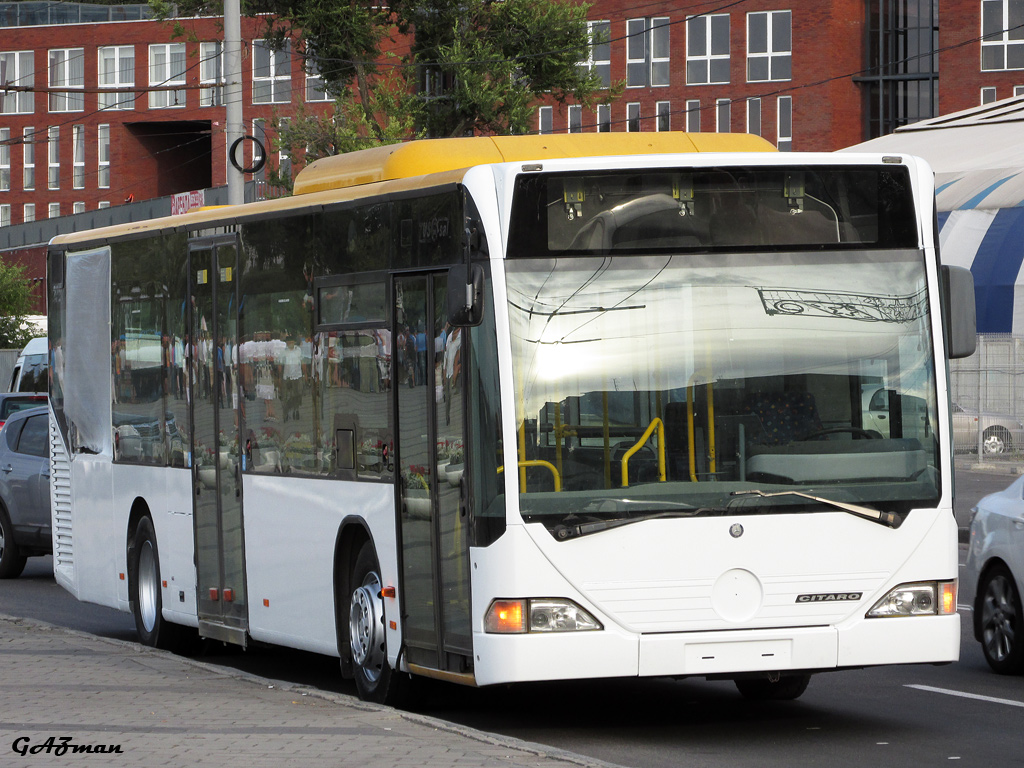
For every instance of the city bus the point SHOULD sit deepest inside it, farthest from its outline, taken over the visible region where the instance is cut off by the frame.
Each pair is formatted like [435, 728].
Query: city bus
[523, 408]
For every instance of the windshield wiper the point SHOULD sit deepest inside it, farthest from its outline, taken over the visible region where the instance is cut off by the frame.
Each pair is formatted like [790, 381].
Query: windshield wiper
[563, 532]
[886, 518]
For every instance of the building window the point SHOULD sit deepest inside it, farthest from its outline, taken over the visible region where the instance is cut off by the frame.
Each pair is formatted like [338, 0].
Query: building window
[599, 57]
[18, 70]
[211, 75]
[723, 115]
[1002, 35]
[663, 109]
[67, 79]
[1018, 90]
[544, 115]
[284, 155]
[693, 116]
[28, 158]
[754, 116]
[271, 74]
[604, 118]
[901, 81]
[53, 157]
[78, 207]
[988, 95]
[78, 156]
[28, 213]
[575, 118]
[5, 159]
[53, 210]
[769, 46]
[785, 127]
[166, 70]
[647, 52]
[707, 49]
[103, 204]
[103, 155]
[316, 89]
[5, 215]
[633, 117]
[117, 70]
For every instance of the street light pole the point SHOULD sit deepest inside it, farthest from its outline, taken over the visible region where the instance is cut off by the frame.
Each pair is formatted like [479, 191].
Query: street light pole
[234, 125]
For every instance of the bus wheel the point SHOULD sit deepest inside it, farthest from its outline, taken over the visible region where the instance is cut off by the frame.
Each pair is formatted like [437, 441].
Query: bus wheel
[144, 585]
[765, 689]
[12, 562]
[375, 680]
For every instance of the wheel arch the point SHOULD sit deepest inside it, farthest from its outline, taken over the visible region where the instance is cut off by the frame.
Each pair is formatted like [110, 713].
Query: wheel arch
[139, 510]
[352, 534]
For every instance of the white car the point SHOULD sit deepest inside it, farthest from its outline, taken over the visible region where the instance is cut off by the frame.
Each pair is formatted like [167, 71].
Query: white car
[994, 578]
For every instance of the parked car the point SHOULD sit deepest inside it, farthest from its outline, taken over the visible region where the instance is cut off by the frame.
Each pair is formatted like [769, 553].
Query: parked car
[994, 577]
[999, 431]
[24, 490]
[12, 402]
[31, 371]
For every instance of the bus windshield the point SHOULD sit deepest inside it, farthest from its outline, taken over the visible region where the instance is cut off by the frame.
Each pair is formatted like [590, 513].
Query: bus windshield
[670, 381]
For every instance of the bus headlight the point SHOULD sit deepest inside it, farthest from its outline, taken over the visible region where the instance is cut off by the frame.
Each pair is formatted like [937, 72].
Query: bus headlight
[923, 598]
[537, 614]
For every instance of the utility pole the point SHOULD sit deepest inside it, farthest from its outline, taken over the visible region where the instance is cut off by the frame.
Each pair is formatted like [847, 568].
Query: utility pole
[234, 125]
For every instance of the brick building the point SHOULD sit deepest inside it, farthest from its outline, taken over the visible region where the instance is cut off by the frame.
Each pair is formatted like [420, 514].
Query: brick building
[103, 106]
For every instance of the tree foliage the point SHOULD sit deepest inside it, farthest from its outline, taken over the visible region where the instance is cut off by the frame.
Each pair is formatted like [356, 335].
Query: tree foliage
[414, 68]
[15, 306]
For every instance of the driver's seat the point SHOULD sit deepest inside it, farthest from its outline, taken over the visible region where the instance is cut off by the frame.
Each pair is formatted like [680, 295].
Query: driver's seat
[784, 416]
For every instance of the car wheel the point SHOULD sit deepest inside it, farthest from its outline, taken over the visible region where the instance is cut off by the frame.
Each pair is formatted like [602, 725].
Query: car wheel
[783, 688]
[146, 595]
[375, 679]
[12, 562]
[1001, 621]
[995, 441]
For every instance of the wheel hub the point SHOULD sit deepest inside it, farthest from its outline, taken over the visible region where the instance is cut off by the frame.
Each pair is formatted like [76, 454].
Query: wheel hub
[147, 586]
[366, 626]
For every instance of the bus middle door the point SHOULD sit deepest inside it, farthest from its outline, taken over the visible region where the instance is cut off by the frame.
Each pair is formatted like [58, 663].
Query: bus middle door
[216, 473]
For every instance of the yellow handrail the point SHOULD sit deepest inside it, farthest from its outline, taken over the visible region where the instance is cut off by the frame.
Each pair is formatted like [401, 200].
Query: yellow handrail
[689, 427]
[660, 426]
[537, 463]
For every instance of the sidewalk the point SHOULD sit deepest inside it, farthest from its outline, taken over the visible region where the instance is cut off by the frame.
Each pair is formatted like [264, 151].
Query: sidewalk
[61, 689]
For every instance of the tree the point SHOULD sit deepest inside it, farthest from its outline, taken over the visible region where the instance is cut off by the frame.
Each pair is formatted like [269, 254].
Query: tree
[15, 306]
[414, 68]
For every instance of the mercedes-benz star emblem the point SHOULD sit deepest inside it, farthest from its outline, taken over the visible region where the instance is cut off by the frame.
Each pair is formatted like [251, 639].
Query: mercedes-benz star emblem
[735, 530]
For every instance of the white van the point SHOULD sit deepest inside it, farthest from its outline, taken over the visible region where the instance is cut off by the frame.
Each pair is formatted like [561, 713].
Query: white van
[30, 372]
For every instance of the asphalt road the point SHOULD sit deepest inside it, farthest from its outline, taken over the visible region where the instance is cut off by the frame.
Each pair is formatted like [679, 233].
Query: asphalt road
[893, 716]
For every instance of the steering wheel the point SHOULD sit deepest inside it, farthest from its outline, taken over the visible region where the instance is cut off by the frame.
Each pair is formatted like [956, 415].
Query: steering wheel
[857, 432]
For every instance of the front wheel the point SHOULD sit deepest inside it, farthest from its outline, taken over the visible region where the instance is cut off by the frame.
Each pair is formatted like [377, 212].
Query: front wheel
[145, 592]
[1001, 621]
[375, 679]
[995, 441]
[12, 562]
[778, 689]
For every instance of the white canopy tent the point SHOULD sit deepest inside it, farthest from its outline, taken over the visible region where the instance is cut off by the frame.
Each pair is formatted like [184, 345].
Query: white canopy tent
[978, 159]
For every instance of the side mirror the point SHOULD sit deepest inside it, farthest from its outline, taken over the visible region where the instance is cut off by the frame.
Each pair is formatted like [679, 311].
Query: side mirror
[961, 316]
[466, 294]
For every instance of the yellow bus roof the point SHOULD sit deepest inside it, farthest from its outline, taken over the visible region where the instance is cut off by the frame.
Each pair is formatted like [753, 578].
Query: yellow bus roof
[425, 156]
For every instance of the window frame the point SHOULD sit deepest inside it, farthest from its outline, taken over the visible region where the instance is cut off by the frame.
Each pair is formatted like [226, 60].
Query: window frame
[643, 40]
[117, 93]
[574, 123]
[772, 55]
[161, 75]
[633, 118]
[5, 159]
[28, 158]
[211, 90]
[662, 116]
[273, 87]
[692, 113]
[103, 156]
[723, 114]
[707, 59]
[61, 74]
[21, 72]
[78, 157]
[545, 117]
[999, 42]
[754, 105]
[53, 157]
[784, 142]
[599, 54]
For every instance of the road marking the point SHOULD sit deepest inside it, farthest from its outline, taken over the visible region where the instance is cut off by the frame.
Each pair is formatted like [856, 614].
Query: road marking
[963, 695]
[961, 607]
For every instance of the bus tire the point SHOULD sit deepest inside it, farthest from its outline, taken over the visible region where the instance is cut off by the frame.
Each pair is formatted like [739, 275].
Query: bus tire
[375, 679]
[146, 594]
[12, 562]
[785, 688]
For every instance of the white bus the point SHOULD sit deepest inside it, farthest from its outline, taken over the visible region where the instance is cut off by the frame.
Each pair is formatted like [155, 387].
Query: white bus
[510, 409]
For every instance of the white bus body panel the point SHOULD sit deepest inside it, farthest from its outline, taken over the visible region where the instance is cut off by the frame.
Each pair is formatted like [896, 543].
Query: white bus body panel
[291, 531]
[93, 532]
[684, 597]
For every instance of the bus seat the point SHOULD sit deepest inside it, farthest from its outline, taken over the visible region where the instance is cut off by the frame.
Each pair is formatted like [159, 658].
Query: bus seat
[784, 416]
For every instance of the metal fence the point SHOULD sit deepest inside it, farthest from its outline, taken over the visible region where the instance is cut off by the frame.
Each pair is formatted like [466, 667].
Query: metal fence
[987, 390]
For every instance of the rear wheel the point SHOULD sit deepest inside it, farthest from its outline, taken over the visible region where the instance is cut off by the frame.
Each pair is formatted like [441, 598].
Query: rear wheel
[375, 679]
[12, 562]
[995, 441]
[146, 594]
[778, 689]
[1001, 621]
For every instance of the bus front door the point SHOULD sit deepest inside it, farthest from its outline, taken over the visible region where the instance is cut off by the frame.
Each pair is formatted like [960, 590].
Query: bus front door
[216, 473]
[426, 361]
